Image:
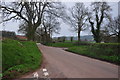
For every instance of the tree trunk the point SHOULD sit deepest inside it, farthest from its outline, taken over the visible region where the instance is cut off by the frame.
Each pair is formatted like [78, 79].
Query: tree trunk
[97, 38]
[119, 37]
[97, 35]
[79, 36]
[30, 35]
[31, 32]
[46, 35]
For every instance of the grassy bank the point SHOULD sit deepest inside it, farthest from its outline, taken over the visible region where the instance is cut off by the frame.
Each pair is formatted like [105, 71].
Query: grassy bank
[19, 57]
[99, 51]
[0, 59]
[103, 51]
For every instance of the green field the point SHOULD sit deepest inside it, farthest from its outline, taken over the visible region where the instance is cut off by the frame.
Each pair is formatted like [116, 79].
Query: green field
[19, 57]
[103, 51]
[61, 44]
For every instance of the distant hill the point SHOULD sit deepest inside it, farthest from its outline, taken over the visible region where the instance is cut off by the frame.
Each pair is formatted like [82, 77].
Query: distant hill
[83, 38]
[87, 37]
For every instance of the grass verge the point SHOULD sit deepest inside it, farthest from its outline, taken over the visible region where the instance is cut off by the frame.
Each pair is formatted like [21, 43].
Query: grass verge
[0, 59]
[19, 58]
[105, 52]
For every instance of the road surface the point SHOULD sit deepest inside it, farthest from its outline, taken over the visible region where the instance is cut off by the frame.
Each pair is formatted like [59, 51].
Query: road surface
[63, 64]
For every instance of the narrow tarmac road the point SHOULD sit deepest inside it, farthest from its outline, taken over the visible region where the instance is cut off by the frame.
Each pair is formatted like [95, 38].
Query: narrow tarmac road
[63, 64]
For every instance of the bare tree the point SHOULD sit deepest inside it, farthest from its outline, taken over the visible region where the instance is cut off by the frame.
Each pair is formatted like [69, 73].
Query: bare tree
[101, 11]
[30, 12]
[78, 18]
[114, 28]
[50, 25]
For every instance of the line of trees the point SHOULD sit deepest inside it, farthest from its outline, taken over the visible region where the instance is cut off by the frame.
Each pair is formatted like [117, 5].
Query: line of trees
[83, 17]
[43, 18]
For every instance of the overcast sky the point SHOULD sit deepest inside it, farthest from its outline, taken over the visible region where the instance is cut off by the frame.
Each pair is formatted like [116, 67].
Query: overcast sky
[65, 28]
